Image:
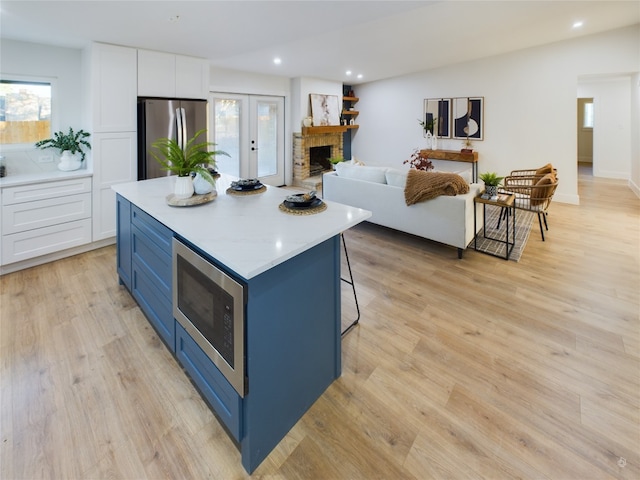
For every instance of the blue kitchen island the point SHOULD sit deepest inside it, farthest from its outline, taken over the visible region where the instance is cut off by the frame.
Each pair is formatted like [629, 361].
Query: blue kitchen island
[290, 268]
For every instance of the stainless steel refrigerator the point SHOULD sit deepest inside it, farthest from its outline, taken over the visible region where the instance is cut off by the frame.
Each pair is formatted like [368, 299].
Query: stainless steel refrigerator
[166, 118]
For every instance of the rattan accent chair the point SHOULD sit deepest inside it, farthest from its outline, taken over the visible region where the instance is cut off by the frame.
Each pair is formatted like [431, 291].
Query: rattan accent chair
[533, 193]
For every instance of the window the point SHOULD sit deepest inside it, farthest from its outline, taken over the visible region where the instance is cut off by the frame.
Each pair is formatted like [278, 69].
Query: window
[587, 117]
[25, 111]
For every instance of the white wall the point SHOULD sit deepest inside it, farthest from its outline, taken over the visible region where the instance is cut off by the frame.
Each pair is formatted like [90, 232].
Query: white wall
[634, 182]
[530, 105]
[64, 65]
[301, 87]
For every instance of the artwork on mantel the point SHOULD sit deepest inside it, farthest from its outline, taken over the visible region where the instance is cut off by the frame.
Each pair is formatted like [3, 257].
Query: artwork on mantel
[438, 110]
[468, 118]
[325, 109]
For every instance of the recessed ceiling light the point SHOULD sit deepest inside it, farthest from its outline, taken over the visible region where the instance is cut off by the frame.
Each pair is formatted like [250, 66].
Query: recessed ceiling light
[348, 72]
[577, 24]
[359, 75]
[277, 61]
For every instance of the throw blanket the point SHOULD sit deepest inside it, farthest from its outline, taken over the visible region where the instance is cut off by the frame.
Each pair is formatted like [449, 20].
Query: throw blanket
[423, 185]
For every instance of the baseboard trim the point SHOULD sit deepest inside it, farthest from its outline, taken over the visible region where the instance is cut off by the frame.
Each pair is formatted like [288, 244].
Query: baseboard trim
[51, 257]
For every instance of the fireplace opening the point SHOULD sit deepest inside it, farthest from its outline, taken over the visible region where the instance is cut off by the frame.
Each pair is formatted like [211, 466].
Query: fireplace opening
[319, 159]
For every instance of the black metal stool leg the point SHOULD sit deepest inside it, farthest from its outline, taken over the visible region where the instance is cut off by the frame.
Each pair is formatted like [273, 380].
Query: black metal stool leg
[353, 287]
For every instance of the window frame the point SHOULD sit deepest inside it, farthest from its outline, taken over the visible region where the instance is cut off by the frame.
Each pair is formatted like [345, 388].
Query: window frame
[53, 82]
[588, 106]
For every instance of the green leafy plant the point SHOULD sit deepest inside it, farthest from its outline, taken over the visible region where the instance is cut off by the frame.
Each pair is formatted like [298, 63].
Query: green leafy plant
[430, 125]
[72, 141]
[336, 160]
[195, 157]
[491, 179]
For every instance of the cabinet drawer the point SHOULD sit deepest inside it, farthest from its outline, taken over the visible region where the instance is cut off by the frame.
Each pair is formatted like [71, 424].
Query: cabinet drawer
[33, 243]
[42, 191]
[21, 217]
[144, 252]
[155, 231]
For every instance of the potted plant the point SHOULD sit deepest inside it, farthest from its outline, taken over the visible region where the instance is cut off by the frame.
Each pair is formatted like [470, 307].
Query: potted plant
[491, 182]
[467, 146]
[193, 158]
[429, 131]
[335, 160]
[419, 160]
[69, 144]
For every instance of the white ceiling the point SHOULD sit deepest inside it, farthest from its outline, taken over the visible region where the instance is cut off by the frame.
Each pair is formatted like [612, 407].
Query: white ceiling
[320, 39]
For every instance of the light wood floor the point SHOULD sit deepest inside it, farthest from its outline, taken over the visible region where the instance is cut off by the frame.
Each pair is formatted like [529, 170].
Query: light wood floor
[479, 368]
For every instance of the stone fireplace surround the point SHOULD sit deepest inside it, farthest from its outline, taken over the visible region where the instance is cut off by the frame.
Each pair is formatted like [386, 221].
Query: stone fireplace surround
[302, 144]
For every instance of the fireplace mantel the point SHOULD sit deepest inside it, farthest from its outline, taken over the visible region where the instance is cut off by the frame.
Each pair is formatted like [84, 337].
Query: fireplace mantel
[325, 129]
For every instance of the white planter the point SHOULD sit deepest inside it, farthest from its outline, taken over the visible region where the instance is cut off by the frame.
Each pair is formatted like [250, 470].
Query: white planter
[69, 161]
[183, 187]
[201, 186]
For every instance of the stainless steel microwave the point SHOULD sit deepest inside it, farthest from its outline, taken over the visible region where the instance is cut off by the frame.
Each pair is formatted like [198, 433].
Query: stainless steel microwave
[209, 304]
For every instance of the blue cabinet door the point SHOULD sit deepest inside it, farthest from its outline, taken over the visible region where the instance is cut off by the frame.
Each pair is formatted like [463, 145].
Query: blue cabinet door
[217, 391]
[123, 241]
[151, 283]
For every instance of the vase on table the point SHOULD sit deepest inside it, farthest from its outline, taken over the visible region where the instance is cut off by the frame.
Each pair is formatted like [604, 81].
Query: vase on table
[202, 186]
[491, 190]
[429, 138]
[183, 187]
[69, 161]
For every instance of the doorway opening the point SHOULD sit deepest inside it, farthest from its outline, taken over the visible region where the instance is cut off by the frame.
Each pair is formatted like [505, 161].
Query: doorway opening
[585, 124]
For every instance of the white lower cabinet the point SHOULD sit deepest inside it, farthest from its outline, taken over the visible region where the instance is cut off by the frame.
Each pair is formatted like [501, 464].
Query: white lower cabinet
[114, 161]
[43, 218]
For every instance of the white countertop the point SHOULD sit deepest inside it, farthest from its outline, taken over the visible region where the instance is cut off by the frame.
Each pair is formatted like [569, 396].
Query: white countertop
[248, 234]
[35, 166]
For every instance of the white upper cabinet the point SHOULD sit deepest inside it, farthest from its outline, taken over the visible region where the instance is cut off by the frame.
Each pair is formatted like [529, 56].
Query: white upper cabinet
[173, 76]
[113, 88]
[192, 77]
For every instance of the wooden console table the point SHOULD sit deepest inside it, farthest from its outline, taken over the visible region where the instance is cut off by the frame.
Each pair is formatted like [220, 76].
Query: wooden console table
[455, 156]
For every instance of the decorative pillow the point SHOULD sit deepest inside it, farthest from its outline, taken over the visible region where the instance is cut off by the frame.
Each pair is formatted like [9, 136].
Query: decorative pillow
[542, 189]
[357, 172]
[548, 168]
[355, 161]
[396, 178]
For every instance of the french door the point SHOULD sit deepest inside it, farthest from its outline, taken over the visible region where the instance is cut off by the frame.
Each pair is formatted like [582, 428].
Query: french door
[250, 128]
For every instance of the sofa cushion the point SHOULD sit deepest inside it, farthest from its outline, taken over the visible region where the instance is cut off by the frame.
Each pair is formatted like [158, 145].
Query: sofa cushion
[357, 172]
[396, 178]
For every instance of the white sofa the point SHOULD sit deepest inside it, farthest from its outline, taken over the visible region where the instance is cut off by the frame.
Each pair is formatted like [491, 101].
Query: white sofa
[445, 219]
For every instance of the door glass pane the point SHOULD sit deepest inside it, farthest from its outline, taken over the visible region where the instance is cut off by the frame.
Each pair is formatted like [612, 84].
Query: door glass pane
[227, 135]
[267, 138]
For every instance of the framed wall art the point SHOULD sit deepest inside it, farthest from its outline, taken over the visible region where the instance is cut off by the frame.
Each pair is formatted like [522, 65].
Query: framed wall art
[468, 118]
[437, 114]
[325, 109]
